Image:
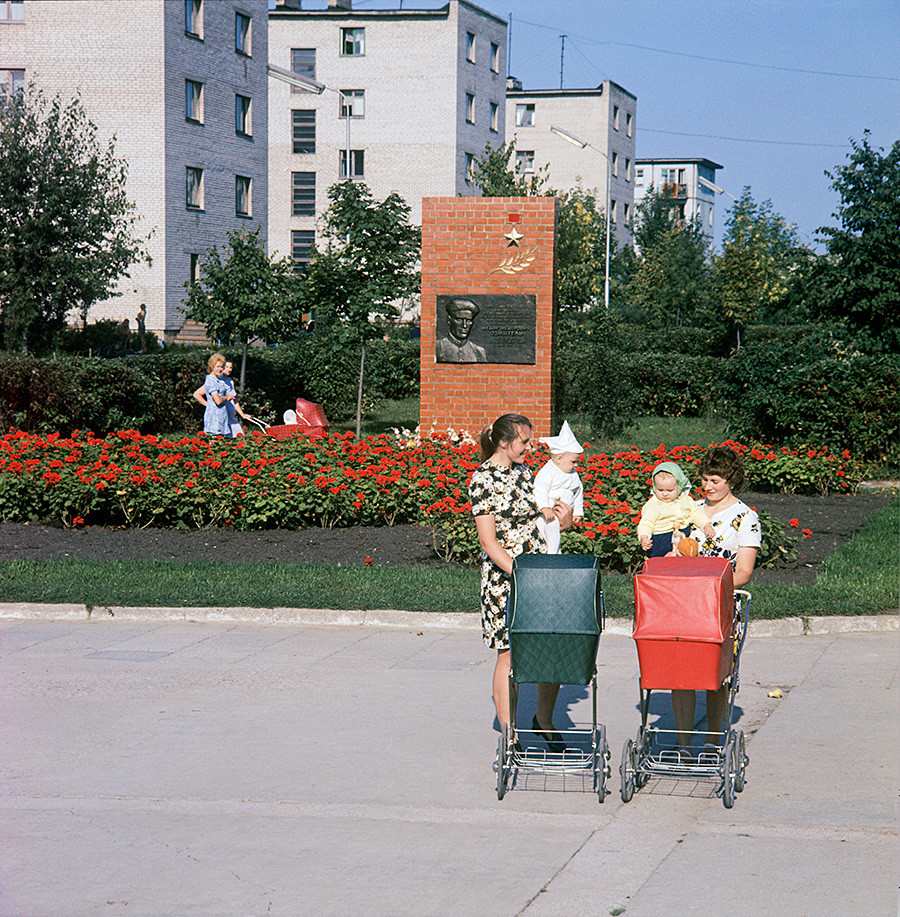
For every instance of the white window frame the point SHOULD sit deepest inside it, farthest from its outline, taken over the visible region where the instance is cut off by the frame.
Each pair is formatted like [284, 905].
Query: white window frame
[615, 164]
[525, 116]
[243, 115]
[307, 131]
[613, 210]
[194, 191]
[353, 100]
[12, 10]
[357, 164]
[615, 117]
[193, 101]
[525, 161]
[243, 33]
[470, 108]
[470, 168]
[628, 123]
[11, 82]
[302, 243]
[495, 57]
[193, 18]
[495, 117]
[243, 194]
[470, 47]
[353, 41]
[303, 204]
[304, 67]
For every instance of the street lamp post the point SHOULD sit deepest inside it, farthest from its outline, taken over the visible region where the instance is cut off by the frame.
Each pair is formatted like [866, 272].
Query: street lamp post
[571, 138]
[311, 85]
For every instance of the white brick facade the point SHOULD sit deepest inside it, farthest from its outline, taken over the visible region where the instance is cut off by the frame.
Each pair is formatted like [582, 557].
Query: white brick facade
[416, 75]
[129, 60]
[606, 118]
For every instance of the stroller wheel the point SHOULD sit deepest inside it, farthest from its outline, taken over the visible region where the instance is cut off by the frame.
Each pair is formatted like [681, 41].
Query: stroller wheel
[740, 761]
[502, 761]
[729, 774]
[626, 772]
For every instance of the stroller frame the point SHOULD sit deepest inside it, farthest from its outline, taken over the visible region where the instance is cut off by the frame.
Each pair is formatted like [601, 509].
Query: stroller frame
[655, 752]
[586, 749]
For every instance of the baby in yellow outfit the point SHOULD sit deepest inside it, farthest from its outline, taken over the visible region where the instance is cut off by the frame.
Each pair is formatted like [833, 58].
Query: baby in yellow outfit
[669, 510]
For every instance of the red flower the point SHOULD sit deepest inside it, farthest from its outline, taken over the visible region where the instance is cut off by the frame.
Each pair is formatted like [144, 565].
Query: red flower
[368, 561]
[807, 533]
[793, 523]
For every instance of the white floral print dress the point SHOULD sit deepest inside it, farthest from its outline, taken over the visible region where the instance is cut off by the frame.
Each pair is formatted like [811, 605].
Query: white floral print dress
[507, 494]
[736, 527]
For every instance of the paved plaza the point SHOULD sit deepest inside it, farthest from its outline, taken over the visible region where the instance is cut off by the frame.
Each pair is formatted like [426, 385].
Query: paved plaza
[164, 768]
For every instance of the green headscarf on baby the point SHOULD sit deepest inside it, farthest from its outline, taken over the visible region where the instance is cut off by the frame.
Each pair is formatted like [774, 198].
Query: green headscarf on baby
[684, 485]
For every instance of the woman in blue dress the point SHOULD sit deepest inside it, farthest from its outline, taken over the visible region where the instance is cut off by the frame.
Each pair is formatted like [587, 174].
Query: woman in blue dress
[218, 392]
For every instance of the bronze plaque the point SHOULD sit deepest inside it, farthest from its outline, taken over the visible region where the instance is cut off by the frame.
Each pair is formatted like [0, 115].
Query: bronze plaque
[485, 328]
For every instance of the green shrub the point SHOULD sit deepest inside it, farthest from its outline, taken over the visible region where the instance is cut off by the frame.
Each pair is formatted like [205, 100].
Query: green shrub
[674, 385]
[818, 391]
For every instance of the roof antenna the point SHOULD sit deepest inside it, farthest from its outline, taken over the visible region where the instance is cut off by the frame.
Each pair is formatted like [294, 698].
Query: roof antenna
[509, 48]
[562, 59]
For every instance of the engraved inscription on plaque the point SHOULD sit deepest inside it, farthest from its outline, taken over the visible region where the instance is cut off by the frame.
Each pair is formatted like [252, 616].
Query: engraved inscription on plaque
[485, 328]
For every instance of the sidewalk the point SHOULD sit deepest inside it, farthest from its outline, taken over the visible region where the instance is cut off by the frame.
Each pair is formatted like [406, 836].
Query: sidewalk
[168, 767]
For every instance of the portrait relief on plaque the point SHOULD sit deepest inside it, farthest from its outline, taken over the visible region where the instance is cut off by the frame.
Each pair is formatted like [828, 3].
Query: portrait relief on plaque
[485, 328]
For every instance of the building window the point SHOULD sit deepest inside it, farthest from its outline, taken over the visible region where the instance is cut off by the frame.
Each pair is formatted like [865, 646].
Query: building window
[627, 169]
[243, 203]
[495, 58]
[302, 241]
[357, 163]
[524, 160]
[495, 117]
[627, 213]
[193, 18]
[13, 10]
[353, 103]
[615, 165]
[242, 35]
[615, 117]
[304, 194]
[353, 42]
[243, 124]
[303, 63]
[628, 120]
[525, 115]
[11, 82]
[470, 168]
[193, 101]
[470, 47]
[612, 210]
[639, 177]
[470, 108]
[194, 188]
[304, 129]
[194, 269]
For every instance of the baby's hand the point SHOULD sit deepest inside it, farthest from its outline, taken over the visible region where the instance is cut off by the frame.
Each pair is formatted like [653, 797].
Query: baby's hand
[548, 513]
[646, 542]
[709, 531]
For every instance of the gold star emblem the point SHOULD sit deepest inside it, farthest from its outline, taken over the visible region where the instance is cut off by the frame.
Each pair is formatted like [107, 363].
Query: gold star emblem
[513, 236]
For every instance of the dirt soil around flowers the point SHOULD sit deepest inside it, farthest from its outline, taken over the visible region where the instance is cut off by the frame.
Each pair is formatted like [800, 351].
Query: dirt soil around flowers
[830, 520]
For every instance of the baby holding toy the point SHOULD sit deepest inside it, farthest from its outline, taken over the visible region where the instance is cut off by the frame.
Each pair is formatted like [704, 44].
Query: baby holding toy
[558, 481]
[666, 517]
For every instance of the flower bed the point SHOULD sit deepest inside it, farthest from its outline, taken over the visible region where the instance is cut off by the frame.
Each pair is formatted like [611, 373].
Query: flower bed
[258, 482]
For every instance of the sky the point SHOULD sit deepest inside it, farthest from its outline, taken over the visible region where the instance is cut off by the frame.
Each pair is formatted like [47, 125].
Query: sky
[773, 90]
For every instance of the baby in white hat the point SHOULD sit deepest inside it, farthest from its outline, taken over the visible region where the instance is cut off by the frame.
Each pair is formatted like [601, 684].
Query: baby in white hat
[558, 480]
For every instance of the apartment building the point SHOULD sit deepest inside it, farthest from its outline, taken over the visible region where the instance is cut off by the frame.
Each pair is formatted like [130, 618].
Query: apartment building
[682, 181]
[182, 86]
[407, 100]
[603, 119]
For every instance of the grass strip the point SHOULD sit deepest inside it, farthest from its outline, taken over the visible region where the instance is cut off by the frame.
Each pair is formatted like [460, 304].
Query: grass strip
[859, 578]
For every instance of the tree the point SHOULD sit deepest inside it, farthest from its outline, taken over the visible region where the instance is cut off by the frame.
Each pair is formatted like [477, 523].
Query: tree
[249, 295]
[368, 267]
[671, 279]
[67, 228]
[859, 280]
[494, 174]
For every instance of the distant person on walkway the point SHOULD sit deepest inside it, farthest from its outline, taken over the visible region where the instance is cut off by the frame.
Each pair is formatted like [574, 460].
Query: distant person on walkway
[141, 320]
[669, 510]
[456, 347]
[506, 517]
[736, 537]
[216, 393]
[558, 481]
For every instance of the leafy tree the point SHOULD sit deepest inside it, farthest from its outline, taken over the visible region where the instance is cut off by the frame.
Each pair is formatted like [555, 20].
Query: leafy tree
[671, 281]
[496, 177]
[859, 281]
[762, 263]
[67, 228]
[249, 295]
[368, 267]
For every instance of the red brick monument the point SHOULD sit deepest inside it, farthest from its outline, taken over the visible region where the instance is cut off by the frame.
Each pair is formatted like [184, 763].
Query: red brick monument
[488, 311]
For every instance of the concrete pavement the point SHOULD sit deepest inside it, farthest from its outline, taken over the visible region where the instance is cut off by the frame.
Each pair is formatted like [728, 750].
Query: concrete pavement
[169, 767]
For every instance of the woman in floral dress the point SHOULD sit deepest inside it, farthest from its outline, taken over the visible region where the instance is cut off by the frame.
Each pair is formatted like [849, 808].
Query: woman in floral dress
[502, 496]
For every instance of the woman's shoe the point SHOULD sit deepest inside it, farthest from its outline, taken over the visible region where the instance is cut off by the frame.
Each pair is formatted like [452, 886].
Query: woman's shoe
[553, 739]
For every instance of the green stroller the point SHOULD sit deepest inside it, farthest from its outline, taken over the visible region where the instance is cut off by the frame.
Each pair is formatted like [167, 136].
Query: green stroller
[554, 618]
